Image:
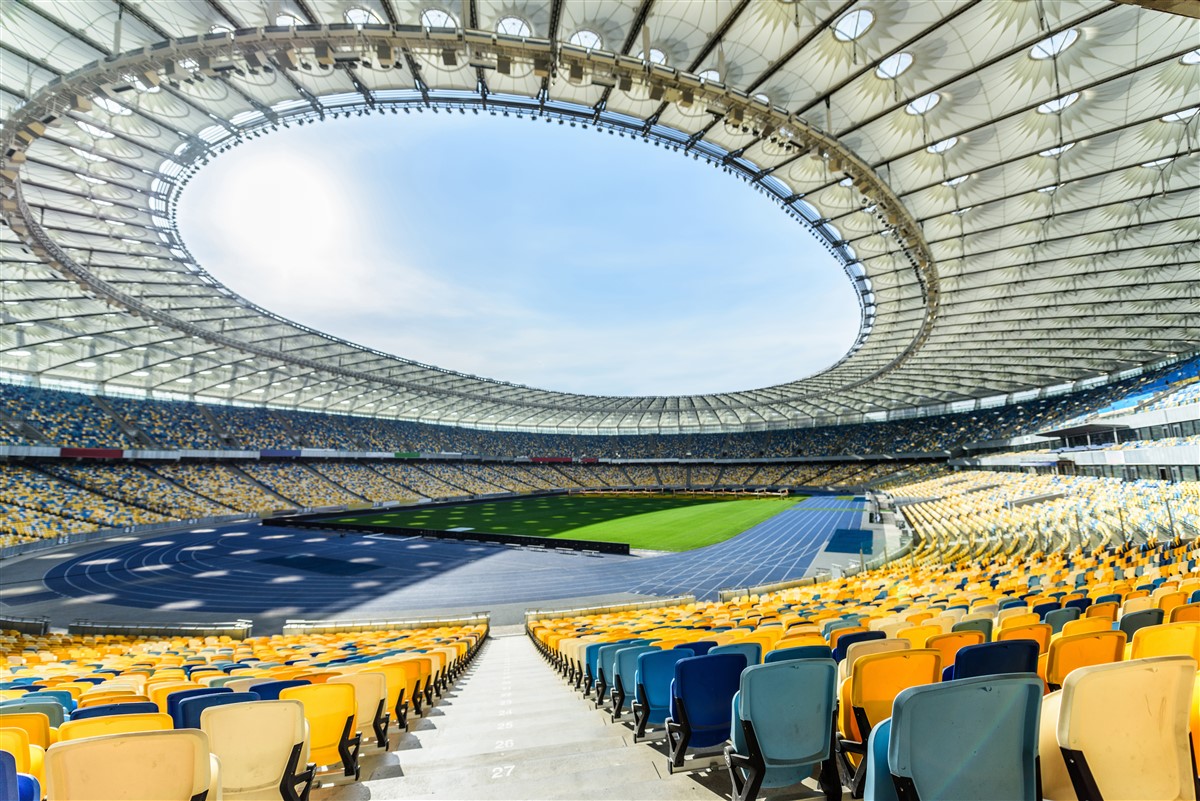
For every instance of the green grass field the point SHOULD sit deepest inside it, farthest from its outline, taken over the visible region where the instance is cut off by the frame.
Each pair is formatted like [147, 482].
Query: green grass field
[652, 522]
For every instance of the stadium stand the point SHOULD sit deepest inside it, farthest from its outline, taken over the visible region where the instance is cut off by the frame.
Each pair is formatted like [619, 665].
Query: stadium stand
[28, 488]
[299, 484]
[221, 484]
[61, 418]
[362, 481]
[137, 486]
[170, 425]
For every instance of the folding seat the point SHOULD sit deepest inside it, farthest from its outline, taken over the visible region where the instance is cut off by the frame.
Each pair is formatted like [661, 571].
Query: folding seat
[1082, 650]
[845, 641]
[948, 645]
[51, 709]
[782, 728]
[1185, 613]
[1123, 729]
[269, 691]
[104, 710]
[114, 724]
[158, 693]
[861, 649]
[1043, 609]
[243, 685]
[190, 709]
[63, 698]
[30, 758]
[1038, 632]
[36, 725]
[970, 739]
[994, 658]
[161, 765]
[1056, 782]
[835, 635]
[330, 710]
[16, 786]
[624, 677]
[1056, 618]
[875, 681]
[403, 685]
[752, 651]
[1168, 639]
[801, 641]
[421, 693]
[980, 624]
[1136, 603]
[1132, 621]
[798, 652]
[175, 698]
[371, 697]
[878, 784]
[605, 666]
[1107, 610]
[262, 749]
[699, 647]
[701, 697]
[1086, 625]
[1014, 621]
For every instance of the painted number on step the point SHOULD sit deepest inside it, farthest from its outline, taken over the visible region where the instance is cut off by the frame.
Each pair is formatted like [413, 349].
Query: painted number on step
[502, 771]
[503, 745]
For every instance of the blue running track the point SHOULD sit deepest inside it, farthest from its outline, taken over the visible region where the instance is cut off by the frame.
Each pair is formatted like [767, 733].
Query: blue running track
[251, 568]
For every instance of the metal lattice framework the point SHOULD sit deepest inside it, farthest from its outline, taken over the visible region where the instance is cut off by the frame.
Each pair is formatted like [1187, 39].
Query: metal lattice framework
[1012, 188]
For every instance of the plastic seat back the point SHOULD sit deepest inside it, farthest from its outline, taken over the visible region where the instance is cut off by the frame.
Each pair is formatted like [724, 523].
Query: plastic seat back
[699, 647]
[35, 724]
[1056, 782]
[1185, 613]
[844, 642]
[1013, 621]
[1082, 650]
[114, 709]
[626, 670]
[705, 686]
[1087, 625]
[191, 709]
[876, 679]
[142, 766]
[1107, 610]
[1037, 632]
[861, 649]
[369, 689]
[175, 698]
[751, 651]
[774, 698]
[329, 710]
[982, 624]
[996, 658]
[1133, 621]
[1056, 618]
[270, 691]
[8, 777]
[255, 743]
[798, 652]
[63, 697]
[986, 727]
[655, 672]
[879, 784]
[1168, 639]
[1128, 724]
[45, 706]
[114, 724]
[948, 645]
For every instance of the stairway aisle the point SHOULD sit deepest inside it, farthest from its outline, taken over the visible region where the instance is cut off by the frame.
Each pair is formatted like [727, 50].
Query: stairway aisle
[512, 729]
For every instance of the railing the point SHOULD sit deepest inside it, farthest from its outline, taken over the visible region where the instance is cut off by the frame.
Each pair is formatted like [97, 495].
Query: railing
[546, 614]
[37, 626]
[236, 630]
[332, 626]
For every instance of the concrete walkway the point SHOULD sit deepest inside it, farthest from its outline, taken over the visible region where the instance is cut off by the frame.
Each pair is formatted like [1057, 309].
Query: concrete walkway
[512, 729]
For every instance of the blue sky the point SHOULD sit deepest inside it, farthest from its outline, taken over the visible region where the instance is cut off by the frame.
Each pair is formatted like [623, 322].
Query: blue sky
[540, 254]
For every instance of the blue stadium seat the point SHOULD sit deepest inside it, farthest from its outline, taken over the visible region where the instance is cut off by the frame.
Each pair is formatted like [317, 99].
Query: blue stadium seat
[269, 691]
[606, 665]
[701, 704]
[652, 683]
[103, 710]
[968, 739]
[879, 785]
[175, 698]
[1058, 618]
[1139, 620]
[64, 698]
[700, 647]
[752, 651]
[1041, 610]
[994, 659]
[782, 727]
[975, 625]
[16, 786]
[798, 652]
[624, 677]
[188, 711]
[46, 706]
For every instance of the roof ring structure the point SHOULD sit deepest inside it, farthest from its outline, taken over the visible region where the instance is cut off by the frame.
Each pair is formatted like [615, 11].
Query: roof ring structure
[1099, 283]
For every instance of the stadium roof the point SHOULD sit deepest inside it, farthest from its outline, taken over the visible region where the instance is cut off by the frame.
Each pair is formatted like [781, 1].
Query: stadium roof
[1012, 187]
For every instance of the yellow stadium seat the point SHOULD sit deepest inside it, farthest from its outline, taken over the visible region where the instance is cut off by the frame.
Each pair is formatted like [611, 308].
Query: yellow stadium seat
[141, 766]
[262, 749]
[1167, 639]
[330, 710]
[1038, 632]
[371, 696]
[30, 758]
[114, 724]
[1082, 650]
[35, 724]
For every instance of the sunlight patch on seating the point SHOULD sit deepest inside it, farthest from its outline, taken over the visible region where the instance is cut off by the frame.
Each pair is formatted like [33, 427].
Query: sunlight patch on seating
[212, 574]
[286, 579]
[151, 568]
[245, 552]
[100, 562]
[96, 598]
[177, 605]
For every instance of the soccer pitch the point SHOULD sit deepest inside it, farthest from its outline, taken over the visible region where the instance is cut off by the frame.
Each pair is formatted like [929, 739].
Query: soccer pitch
[652, 522]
